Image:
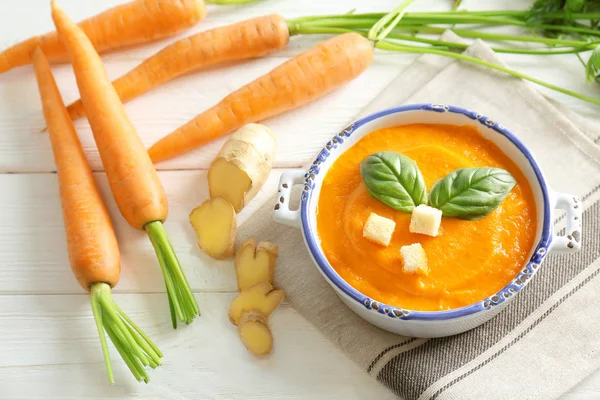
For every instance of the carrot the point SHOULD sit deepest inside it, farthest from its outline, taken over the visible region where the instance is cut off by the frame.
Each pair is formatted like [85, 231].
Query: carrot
[133, 23]
[243, 40]
[91, 241]
[298, 81]
[92, 244]
[132, 177]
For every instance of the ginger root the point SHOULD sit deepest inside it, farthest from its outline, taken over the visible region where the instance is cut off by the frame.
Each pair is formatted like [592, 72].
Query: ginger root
[255, 263]
[261, 297]
[254, 333]
[243, 165]
[215, 223]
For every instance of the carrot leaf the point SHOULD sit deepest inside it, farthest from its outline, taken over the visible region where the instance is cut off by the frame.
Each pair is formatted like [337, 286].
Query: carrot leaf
[98, 318]
[153, 350]
[592, 68]
[388, 22]
[125, 355]
[134, 346]
[182, 303]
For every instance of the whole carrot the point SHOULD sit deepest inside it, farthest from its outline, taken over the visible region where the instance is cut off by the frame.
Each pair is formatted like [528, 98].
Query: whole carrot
[243, 40]
[136, 22]
[91, 241]
[296, 82]
[132, 177]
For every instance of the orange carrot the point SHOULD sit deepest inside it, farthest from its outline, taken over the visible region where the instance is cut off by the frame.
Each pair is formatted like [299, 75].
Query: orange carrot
[132, 177]
[136, 22]
[243, 40]
[91, 241]
[302, 79]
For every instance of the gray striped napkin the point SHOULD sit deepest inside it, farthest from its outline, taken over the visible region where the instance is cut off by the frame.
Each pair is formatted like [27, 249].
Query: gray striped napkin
[547, 339]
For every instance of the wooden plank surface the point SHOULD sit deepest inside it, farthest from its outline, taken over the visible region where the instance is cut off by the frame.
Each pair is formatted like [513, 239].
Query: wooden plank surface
[50, 350]
[48, 343]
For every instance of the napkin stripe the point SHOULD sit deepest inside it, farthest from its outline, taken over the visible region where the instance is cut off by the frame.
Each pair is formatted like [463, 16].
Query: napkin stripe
[590, 193]
[438, 357]
[383, 353]
[521, 335]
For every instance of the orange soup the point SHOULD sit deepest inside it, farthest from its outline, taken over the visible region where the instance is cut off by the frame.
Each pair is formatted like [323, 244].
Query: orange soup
[468, 260]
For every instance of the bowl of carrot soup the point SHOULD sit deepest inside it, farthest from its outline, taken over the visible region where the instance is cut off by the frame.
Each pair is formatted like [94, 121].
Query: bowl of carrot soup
[427, 219]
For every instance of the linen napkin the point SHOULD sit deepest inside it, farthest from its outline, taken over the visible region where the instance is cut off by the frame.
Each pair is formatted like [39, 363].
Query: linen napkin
[546, 339]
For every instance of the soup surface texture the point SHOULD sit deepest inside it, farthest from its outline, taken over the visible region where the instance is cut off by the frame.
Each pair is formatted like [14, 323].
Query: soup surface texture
[468, 260]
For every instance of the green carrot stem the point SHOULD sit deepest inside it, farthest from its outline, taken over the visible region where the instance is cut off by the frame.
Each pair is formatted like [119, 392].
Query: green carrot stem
[454, 20]
[191, 306]
[581, 60]
[563, 28]
[515, 15]
[126, 345]
[462, 46]
[359, 22]
[462, 19]
[465, 33]
[542, 52]
[94, 290]
[120, 328]
[491, 13]
[387, 23]
[157, 353]
[470, 34]
[125, 355]
[386, 45]
[411, 18]
[142, 340]
[182, 302]
[172, 292]
[134, 346]
[367, 20]
[172, 310]
[307, 29]
[563, 15]
[508, 13]
[457, 18]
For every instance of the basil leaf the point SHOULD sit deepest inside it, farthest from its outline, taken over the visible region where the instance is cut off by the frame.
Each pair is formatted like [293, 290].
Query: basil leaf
[394, 179]
[471, 193]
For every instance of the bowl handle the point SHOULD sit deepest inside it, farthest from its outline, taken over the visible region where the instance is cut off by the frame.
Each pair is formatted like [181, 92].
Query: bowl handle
[571, 241]
[282, 213]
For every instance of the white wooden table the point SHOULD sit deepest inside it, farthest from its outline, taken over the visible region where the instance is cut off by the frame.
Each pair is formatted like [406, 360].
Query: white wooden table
[48, 343]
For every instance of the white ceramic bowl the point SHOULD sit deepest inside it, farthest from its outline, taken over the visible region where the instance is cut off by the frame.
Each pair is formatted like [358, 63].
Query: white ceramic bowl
[430, 323]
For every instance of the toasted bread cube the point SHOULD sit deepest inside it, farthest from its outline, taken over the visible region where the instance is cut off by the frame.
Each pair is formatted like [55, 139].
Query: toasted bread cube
[415, 259]
[379, 229]
[425, 220]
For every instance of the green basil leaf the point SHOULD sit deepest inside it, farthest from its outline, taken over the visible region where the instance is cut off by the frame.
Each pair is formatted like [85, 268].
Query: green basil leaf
[471, 193]
[394, 179]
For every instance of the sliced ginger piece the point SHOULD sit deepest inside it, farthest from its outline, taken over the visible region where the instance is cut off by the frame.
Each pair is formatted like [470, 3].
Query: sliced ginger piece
[261, 297]
[227, 180]
[243, 165]
[215, 223]
[255, 263]
[255, 333]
